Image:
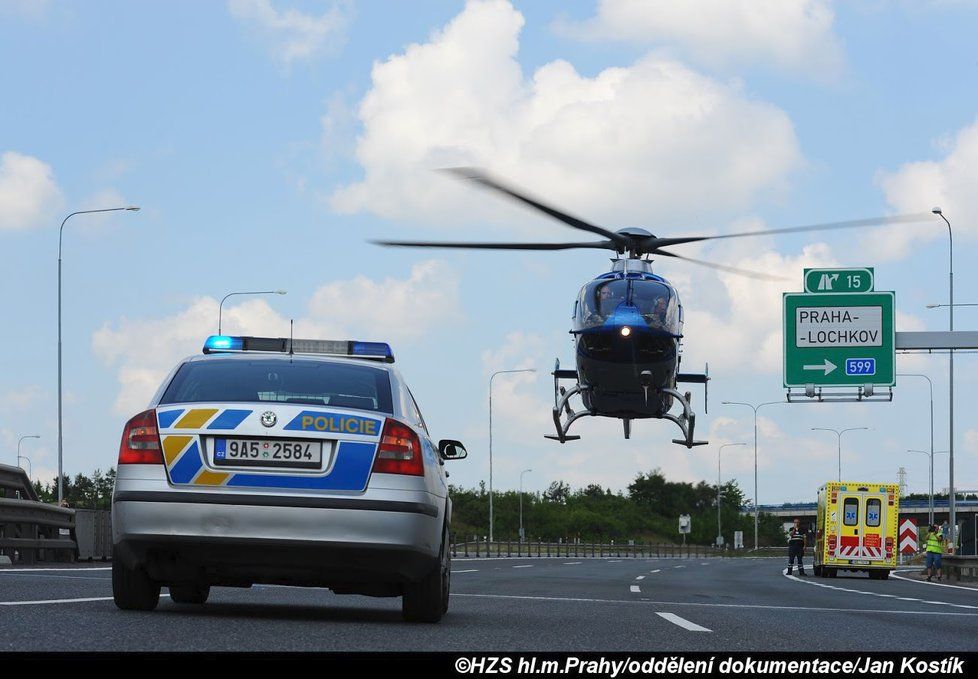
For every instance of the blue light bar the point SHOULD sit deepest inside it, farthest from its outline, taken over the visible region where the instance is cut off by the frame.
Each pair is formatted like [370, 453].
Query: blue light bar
[223, 343]
[379, 349]
[283, 345]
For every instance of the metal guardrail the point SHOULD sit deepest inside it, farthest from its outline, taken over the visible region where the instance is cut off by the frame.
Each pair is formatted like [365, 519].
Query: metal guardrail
[958, 567]
[515, 549]
[31, 530]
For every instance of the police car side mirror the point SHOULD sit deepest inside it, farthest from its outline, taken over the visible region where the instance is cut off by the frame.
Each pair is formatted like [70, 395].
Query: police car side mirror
[452, 450]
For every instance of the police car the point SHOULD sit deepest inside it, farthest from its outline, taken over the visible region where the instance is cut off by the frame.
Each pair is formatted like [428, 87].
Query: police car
[295, 462]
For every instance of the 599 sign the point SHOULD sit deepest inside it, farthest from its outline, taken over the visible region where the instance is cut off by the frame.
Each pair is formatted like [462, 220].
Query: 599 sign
[267, 453]
[860, 366]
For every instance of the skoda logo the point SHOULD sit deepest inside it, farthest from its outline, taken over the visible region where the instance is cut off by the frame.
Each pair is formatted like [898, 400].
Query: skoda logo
[268, 418]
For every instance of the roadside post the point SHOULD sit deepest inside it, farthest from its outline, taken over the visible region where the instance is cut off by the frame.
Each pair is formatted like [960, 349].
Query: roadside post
[908, 539]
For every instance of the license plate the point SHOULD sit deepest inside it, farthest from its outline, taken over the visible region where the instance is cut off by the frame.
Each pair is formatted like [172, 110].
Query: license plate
[302, 454]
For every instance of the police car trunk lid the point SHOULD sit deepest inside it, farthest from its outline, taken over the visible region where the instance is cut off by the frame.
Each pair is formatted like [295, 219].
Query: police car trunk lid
[288, 447]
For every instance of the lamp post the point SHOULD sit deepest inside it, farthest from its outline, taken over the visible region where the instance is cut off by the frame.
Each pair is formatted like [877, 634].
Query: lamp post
[839, 433]
[491, 378]
[719, 452]
[220, 307]
[930, 385]
[950, 378]
[30, 473]
[130, 208]
[521, 501]
[930, 503]
[755, 409]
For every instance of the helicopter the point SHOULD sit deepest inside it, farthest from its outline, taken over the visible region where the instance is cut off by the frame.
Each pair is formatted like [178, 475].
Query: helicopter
[627, 322]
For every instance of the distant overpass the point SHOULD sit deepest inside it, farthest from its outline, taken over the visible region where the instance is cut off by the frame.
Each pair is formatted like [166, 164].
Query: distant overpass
[915, 509]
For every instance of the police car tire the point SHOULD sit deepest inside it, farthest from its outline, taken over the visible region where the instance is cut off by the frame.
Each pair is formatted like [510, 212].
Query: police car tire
[189, 593]
[132, 588]
[427, 600]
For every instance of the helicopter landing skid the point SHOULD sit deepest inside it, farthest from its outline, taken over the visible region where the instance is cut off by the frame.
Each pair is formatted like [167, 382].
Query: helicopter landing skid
[685, 421]
[562, 406]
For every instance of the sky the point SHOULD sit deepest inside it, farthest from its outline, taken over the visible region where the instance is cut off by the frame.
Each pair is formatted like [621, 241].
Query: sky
[267, 141]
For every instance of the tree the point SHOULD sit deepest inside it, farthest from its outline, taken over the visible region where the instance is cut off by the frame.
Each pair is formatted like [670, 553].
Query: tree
[557, 493]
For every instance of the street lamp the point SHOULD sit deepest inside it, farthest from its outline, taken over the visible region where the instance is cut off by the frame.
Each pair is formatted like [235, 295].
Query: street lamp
[130, 208]
[950, 406]
[839, 433]
[220, 307]
[930, 503]
[30, 472]
[491, 378]
[930, 506]
[521, 501]
[755, 409]
[719, 452]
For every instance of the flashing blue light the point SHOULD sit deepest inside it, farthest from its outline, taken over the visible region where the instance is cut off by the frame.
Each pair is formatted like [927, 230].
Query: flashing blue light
[223, 343]
[371, 349]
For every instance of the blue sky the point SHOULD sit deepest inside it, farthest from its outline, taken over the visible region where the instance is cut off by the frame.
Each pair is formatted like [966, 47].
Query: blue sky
[267, 140]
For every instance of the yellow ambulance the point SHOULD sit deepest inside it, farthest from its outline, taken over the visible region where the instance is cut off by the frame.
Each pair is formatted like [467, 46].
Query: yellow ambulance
[856, 528]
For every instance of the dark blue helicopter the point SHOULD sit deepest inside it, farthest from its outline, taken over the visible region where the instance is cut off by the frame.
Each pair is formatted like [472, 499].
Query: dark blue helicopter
[628, 322]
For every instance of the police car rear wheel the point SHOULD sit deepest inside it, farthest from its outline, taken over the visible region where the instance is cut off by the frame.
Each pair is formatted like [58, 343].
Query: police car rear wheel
[189, 593]
[427, 600]
[132, 588]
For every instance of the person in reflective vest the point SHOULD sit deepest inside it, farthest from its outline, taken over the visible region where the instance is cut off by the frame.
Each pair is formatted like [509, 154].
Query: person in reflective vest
[934, 548]
[796, 547]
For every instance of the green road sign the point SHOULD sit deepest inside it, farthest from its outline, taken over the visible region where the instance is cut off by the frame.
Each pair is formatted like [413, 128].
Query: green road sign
[839, 339]
[839, 280]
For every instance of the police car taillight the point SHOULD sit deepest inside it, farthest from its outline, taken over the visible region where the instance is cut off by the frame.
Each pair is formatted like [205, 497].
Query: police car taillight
[141, 440]
[399, 451]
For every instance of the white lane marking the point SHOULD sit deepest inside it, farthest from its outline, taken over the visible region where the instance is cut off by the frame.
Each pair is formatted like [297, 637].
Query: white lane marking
[42, 570]
[61, 601]
[682, 622]
[573, 563]
[470, 570]
[636, 589]
[704, 563]
[896, 574]
[526, 565]
[62, 577]
[639, 577]
[709, 605]
[614, 561]
[679, 567]
[858, 591]
[657, 570]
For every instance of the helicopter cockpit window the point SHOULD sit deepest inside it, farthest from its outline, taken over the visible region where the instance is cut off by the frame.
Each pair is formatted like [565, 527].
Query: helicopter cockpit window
[655, 302]
[600, 299]
[658, 305]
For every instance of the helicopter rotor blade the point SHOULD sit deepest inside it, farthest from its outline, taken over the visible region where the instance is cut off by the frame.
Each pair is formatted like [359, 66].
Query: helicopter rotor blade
[599, 245]
[654, 243]
[723, 267]
[480, 177]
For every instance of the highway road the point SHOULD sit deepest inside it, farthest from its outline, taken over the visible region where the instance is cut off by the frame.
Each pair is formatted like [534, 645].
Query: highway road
[563, 604]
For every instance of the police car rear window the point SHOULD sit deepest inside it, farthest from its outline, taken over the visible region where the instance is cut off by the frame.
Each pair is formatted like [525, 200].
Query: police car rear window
[305, 382]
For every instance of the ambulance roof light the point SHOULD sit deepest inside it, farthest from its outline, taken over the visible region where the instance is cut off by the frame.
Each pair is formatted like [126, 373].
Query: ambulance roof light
[284, 345]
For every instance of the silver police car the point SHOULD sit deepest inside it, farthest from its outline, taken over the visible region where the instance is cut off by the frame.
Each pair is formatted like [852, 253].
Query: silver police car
[295, 462]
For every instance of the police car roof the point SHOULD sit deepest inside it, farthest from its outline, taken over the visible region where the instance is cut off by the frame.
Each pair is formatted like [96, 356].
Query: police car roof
[276, 356]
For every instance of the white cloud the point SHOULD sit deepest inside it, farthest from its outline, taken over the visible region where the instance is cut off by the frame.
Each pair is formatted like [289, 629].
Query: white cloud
[629, 145]
[22, 398]
[790, 35]
[292, 35]
[400, 310]
[919, 186]
[29, 196]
